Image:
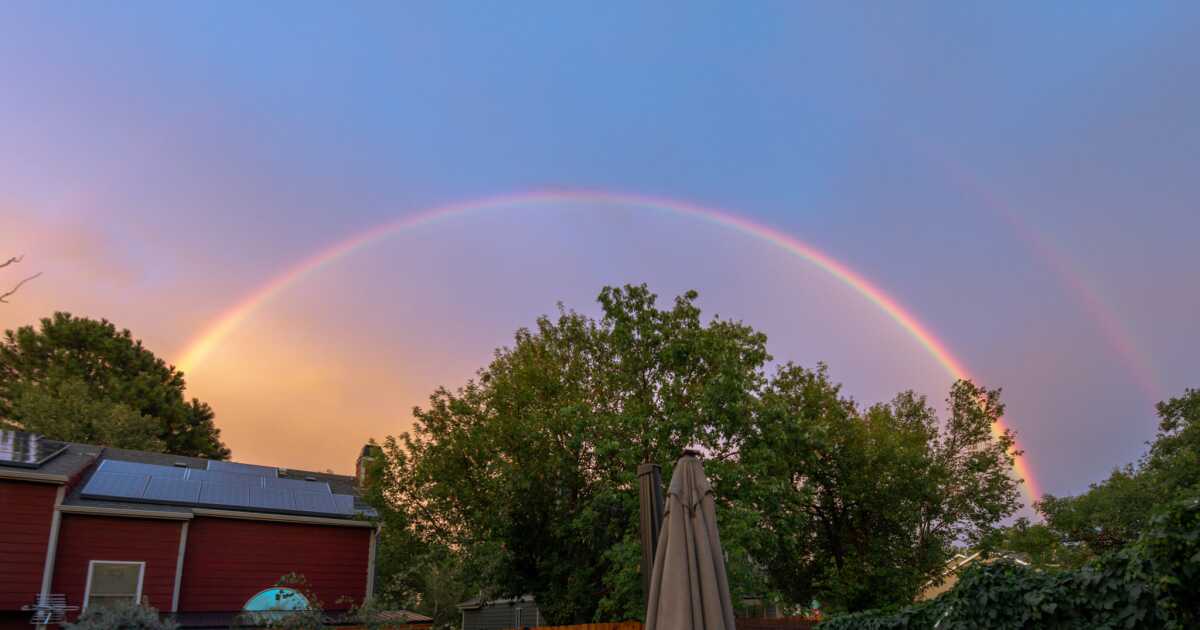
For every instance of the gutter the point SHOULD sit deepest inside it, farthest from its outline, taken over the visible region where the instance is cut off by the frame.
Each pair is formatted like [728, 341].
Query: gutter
[107, 511]
[22, 475]
[51, 549]
[281, 518]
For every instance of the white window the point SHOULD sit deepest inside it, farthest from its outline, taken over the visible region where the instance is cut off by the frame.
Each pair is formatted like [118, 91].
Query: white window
[112, 582]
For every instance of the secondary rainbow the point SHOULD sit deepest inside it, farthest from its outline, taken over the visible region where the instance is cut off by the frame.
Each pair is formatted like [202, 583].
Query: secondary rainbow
[1108, 323]
[230, 319]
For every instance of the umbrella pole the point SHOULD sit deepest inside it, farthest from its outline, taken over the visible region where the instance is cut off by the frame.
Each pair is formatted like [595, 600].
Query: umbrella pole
[650, 495]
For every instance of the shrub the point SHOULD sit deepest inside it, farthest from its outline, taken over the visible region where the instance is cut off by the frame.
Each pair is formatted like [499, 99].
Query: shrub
[125, 616]
[1149, 584]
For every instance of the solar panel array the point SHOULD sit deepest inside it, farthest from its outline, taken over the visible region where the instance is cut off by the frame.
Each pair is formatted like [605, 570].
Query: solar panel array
[27, 450]
[224, 485]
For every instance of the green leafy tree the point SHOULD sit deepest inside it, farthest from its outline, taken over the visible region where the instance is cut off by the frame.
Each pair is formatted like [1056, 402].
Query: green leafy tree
[66, 410]
[1107, 517]
[528, 472]
[530, 469]
[1114, 512]
[416, 573]
[1148, 584]
[1036, 542]
[860, 507]
[75, 365]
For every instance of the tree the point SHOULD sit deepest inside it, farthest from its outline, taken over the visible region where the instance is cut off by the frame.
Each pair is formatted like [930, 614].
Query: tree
[860, 507]
[80, 379]
[417, 574]
[528, 472]
[1114, 512]
[66, 410]
[1036, 542]
[12, 261]
[530, 469]
[1107, 517]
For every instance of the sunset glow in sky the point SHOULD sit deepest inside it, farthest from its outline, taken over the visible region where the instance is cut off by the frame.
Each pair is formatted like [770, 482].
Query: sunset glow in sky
[321, 215]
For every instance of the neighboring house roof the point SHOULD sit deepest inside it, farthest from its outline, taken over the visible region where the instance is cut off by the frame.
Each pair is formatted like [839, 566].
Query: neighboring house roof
[57, 462]
[477, 603]
[75, 464]
[402, 616]
[954, 568]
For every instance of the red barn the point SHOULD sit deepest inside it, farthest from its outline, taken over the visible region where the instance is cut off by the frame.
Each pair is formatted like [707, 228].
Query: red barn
[198, 539]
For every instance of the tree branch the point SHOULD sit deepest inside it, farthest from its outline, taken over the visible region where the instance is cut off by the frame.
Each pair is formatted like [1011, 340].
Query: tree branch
[14, 289]
[14, 259]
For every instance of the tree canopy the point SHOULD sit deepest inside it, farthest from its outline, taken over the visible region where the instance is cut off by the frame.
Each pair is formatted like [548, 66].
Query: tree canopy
[1114, 512]
[862, 506]
[528, 471]
[80, 379]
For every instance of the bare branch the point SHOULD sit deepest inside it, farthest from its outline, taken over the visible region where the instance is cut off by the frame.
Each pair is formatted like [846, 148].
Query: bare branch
[14, 289]
[14, 259]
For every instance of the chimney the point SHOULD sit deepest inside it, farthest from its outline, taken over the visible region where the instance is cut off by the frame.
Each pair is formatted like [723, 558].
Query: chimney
[370, 453]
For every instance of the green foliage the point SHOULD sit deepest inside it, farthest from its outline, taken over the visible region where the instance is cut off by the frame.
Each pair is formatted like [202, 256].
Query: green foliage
[66, 410]
[126, 616]
[1036, 542]
[1113, 513]
[1149, 584]
[1107, 517]
[416, 574]
[532, 465]
[859, 508]
[126, 397]
[526, 476]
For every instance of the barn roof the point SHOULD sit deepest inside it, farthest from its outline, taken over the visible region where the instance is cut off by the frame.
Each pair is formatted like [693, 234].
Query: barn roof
[32, 457]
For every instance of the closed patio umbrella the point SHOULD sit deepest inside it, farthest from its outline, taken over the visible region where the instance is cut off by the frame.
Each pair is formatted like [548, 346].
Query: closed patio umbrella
[688, 586]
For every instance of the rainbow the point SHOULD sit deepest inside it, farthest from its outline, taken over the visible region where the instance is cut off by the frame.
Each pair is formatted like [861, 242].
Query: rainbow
[1108, 324]
[230, 319]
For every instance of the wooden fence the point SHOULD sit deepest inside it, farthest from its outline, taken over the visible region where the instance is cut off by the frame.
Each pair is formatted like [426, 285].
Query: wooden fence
[779, 623]
[616, 625]
[758, 623]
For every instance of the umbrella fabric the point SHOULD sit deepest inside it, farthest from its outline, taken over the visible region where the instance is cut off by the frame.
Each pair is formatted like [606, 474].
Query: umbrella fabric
[688, 587]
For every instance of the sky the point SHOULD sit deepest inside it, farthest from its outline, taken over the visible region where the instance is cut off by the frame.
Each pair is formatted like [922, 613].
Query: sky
[1018, 178]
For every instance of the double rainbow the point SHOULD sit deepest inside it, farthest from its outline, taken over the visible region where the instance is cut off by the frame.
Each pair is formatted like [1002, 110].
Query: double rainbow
[230, 319]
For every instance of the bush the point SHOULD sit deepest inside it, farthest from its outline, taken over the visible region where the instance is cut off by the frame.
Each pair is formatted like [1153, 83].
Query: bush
[1149, 584]
[124, 616]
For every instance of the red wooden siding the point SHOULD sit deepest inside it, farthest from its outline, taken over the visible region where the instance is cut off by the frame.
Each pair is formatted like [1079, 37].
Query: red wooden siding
[82, 539]
[229, 560]
[25, 513]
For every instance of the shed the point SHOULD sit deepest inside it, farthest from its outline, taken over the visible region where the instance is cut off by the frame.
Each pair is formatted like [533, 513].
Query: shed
[501, 614]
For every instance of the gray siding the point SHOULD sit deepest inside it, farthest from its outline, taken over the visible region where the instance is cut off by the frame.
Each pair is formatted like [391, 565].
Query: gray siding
[502, 615]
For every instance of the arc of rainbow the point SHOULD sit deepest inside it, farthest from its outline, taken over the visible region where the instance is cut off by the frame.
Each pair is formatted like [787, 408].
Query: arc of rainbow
[1110, 326]
[231, 318]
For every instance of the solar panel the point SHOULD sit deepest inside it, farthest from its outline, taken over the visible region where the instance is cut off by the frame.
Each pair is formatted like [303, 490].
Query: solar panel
[118, 485]
[343, 503]
[172, 490]
[314, 502]
[137, 468]
[245, 469]
[298, 485]
[271, 499]
[224, 495]
[27, 450]
[233, 479]
[221, 486]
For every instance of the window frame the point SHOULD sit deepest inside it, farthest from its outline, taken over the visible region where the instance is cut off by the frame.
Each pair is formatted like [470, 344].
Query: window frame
[87, 590]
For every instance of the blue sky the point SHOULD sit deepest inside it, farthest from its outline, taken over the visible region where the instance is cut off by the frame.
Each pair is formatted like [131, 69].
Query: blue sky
[1018, 175]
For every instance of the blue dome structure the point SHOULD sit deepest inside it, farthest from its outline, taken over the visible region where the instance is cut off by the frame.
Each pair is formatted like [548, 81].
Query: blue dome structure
[276, 602]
